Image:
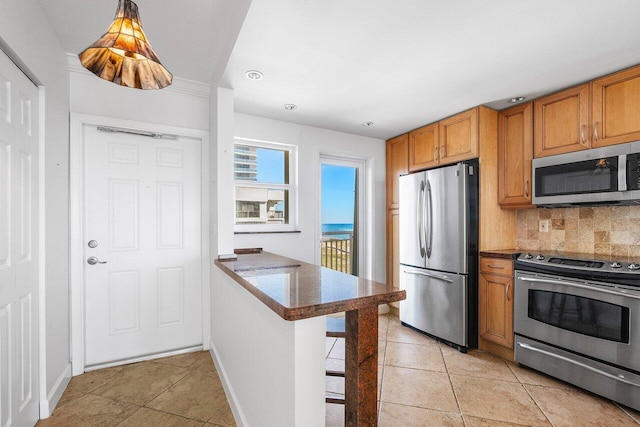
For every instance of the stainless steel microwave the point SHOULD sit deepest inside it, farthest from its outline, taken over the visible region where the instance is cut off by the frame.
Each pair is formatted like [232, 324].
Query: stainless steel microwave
[602, 176]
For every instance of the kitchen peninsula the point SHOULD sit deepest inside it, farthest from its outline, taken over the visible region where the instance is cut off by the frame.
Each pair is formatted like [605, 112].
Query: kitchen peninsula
[268, 329]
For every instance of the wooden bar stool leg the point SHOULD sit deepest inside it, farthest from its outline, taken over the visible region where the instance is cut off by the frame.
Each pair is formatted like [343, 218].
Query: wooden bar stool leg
[361, 368]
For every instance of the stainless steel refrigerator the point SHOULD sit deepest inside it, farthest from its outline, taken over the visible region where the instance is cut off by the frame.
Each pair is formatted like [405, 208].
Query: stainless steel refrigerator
[439, 253]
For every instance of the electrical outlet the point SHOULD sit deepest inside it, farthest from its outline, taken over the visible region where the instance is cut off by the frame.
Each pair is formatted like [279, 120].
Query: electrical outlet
[543, 226]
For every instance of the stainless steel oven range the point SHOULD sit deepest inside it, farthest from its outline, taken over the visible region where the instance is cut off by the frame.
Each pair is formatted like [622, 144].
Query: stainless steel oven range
[578, 319]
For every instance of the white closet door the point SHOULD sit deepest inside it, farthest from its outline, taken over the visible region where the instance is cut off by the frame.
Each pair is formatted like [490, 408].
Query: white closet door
[18, 247]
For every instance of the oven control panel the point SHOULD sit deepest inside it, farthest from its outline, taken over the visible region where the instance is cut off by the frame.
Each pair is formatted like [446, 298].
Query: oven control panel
[573, 262]
[623, 271]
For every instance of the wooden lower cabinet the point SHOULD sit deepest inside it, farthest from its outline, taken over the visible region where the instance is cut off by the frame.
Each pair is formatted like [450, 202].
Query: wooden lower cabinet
[495, 306]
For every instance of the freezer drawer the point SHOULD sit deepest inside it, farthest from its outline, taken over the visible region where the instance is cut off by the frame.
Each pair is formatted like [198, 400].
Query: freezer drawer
[436, 303]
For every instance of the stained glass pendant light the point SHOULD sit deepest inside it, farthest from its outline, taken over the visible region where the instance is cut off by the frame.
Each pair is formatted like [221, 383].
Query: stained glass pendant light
[123, 54]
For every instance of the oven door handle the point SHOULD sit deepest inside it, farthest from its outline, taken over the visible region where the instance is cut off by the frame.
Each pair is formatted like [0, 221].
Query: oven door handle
[580, 364]
[619, 292]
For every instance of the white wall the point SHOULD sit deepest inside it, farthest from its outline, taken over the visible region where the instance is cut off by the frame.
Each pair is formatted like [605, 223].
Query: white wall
[311, 143]
[272, 369]
[27, 32]
[183, 104]
[222, 171]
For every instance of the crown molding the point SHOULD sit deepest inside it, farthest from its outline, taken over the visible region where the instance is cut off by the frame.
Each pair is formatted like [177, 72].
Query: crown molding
[179, 85]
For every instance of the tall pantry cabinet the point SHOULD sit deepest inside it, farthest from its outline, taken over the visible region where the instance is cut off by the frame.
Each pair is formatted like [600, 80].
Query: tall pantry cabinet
[397, 159]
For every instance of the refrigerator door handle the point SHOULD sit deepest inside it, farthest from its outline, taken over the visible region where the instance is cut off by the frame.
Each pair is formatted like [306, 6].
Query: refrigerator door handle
[429, 239]
[428, 274]
[419, 222]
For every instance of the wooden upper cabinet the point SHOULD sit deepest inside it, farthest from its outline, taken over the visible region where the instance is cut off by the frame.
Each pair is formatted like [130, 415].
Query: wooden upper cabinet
[459, 137]
[616, 108]
[515, 151]
[562, 122]
[397, 164]
[423, 148]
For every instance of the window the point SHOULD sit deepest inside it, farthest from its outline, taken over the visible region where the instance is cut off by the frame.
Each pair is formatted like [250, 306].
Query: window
[264, 176]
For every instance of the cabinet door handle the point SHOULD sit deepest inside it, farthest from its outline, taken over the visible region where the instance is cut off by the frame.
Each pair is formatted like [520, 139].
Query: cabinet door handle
[443, 151]
[507, 291]
[526, 188]
[595, 131]
[583, 139]
[495, 266]
[435, 152]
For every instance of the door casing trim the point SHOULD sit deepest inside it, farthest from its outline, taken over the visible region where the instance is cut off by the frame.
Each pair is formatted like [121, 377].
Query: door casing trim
[76, 225]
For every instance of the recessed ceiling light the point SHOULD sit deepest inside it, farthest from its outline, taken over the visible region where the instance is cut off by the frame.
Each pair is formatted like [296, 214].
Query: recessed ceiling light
[367, 124]
[254, 75]
[517, 99]
[290, 106]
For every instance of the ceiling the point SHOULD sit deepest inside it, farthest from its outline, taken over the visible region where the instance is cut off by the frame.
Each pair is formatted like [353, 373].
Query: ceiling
[193, 38]
[399, 64]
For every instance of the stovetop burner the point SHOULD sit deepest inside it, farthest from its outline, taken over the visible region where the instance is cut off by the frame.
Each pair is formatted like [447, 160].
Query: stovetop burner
[621, 270]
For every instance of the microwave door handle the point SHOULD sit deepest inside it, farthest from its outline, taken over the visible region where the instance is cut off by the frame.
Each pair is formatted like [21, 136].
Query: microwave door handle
[429, 202]
[577, 363]
[622, 172]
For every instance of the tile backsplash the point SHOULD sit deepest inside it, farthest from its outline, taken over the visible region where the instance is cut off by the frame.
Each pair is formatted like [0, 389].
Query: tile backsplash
[607, 230]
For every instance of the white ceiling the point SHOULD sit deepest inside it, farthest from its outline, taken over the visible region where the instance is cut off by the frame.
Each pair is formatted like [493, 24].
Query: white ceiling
[193, 38]
[398, 63]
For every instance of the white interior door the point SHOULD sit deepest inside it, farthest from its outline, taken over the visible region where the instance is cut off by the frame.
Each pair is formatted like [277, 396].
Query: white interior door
[18, 247]
[142, 204]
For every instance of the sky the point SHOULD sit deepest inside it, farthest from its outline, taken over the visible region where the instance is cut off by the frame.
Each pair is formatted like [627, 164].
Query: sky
[270, 165]
[338, 185]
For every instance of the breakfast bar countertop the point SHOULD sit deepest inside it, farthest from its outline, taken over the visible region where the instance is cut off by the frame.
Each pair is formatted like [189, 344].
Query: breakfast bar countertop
[297, 290]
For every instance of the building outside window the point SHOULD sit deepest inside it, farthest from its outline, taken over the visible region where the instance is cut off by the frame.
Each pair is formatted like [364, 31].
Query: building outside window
[264, 176]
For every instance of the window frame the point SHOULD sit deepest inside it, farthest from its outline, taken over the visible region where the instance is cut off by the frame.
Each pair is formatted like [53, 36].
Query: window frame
[291, 187]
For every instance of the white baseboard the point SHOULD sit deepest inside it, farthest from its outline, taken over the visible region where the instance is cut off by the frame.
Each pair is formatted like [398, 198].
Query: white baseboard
[53, 397]
[228, 389]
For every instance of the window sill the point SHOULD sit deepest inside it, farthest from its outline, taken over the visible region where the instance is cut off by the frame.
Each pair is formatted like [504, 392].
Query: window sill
[268, 232]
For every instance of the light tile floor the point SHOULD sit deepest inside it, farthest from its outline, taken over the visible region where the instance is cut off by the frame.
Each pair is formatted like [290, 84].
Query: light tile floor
[177, 391]
[420, 381]
[426, 383]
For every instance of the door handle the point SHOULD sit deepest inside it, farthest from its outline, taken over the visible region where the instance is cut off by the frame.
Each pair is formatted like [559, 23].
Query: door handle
[615, 377]
[429, 227]
[93, 261]
[419, 220]
[432, 275]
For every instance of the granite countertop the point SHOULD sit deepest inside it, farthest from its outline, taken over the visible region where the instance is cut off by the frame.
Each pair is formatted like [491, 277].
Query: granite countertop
[296, 290]
[501, 253]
